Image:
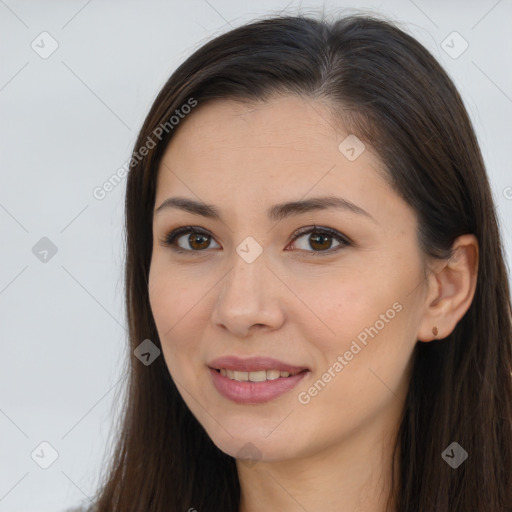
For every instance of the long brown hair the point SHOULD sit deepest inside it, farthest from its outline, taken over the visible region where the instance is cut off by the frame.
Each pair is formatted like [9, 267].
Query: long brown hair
[389, 90]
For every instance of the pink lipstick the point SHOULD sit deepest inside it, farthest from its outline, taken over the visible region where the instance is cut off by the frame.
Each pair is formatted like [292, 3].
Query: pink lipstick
[254, 380]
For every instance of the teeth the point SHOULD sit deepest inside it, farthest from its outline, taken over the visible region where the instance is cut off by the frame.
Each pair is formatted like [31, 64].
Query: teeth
[258, 376]
[242, 376]
[273, 374]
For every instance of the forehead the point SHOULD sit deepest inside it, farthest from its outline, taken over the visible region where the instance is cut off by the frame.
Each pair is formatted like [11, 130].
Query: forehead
[246, 158]
[289, 122]
[285, 140]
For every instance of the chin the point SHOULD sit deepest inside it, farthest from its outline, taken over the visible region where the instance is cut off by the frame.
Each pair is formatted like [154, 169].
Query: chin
[250, 445]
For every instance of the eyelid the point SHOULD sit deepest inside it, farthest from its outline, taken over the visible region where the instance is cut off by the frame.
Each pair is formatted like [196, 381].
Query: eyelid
[344, 241]
[340, 237]
[169, 240]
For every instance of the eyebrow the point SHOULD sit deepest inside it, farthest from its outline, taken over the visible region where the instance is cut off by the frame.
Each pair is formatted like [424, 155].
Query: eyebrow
[276, 212]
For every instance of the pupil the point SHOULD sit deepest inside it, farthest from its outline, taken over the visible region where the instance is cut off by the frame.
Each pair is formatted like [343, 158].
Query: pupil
[322, 238]
[194, 239]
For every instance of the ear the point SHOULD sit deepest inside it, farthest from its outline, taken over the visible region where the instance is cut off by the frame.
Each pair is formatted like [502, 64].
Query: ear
[451, 287]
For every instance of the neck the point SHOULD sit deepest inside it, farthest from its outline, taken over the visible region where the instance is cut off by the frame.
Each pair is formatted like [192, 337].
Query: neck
[352, 476]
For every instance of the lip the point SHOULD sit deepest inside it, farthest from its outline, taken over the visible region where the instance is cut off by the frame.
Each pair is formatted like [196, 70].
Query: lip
[254, 392]
[254, 364]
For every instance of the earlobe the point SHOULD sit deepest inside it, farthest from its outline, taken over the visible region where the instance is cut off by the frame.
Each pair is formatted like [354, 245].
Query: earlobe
[452, 286]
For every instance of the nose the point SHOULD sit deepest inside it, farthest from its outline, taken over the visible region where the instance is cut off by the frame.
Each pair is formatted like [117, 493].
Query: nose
[248, 299]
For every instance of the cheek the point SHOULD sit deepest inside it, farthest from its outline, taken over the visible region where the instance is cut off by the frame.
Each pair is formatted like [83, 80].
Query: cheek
[369, 326]
[360, 301]
[173, 296]
[335, 309]
[171, 302]
[358, 381]
[366, 370]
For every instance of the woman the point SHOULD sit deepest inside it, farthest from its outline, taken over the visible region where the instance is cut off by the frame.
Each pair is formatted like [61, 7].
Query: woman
[315, 267]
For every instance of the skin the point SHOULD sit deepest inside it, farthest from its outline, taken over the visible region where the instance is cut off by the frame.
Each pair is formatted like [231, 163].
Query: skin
[333, 453]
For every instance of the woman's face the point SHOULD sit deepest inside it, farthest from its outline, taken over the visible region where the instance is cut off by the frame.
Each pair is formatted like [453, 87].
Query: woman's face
[343, 302]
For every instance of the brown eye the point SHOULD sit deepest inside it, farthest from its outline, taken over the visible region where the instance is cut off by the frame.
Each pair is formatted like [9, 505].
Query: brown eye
[321, 240]
[318, 241]
[196, 241]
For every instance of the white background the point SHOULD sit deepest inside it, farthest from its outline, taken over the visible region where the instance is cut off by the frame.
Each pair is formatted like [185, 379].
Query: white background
[67, 123]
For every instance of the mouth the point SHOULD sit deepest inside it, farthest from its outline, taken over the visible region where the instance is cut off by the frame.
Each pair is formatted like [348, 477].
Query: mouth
[254, 380]
[256, 376]
[254, 369]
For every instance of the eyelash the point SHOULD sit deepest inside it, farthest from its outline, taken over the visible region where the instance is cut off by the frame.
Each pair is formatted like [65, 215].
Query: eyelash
[170, 239]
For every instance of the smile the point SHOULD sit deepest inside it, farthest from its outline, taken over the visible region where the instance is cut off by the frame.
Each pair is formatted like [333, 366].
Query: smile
[258, 376]
[245, 391]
